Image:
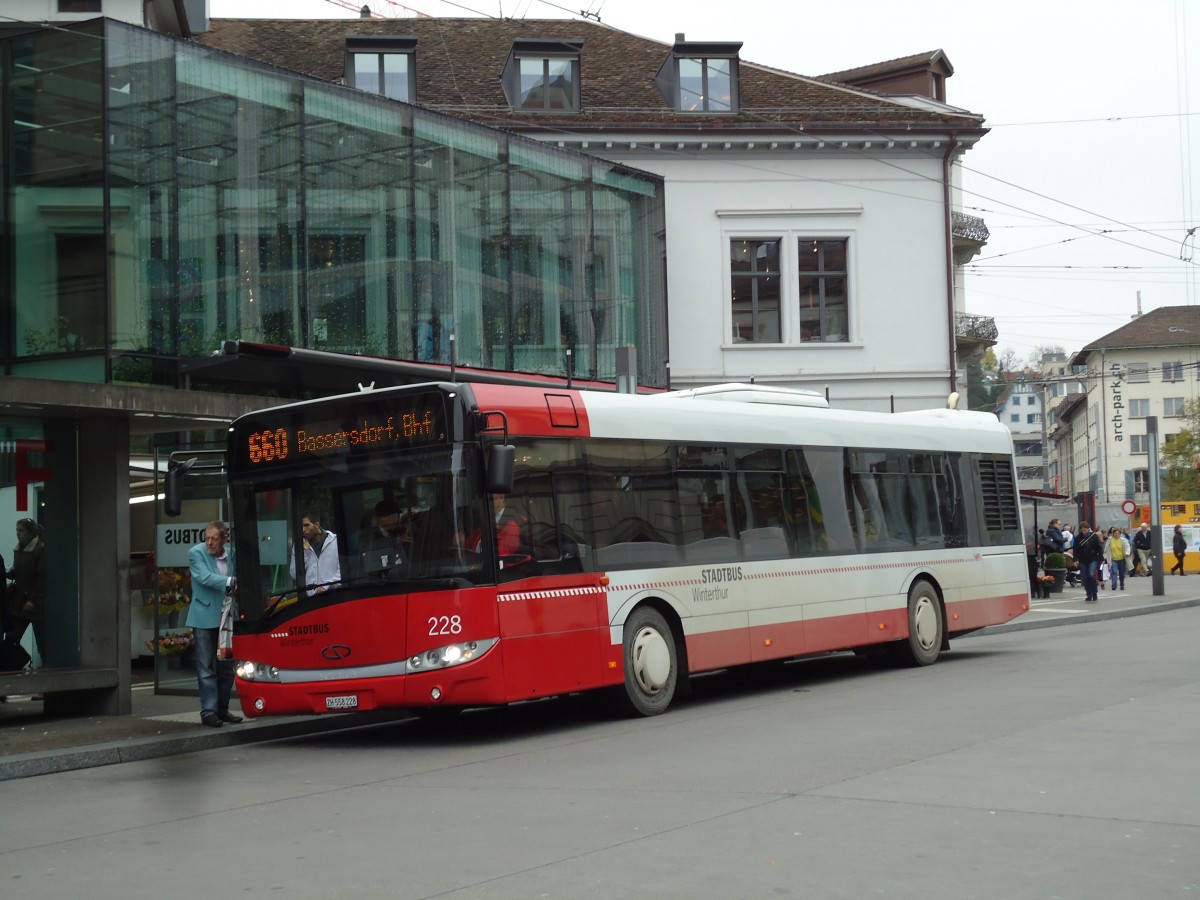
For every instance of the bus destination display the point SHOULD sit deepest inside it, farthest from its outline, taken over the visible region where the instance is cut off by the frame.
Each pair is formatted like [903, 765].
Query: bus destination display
[299, 437]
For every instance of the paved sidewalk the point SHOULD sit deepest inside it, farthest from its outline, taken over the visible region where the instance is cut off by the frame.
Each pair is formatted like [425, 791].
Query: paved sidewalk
[32, 743]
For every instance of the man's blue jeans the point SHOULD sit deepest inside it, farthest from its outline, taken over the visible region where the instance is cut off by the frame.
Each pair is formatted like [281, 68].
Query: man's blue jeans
[1089, 571]
[214, 675]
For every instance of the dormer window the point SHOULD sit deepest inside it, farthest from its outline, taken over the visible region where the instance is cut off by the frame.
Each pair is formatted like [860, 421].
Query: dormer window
[382, 64]
[543, 75]
[700, 77]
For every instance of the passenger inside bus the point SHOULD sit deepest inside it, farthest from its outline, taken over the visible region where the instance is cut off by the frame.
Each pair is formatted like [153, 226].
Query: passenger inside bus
[383, 547]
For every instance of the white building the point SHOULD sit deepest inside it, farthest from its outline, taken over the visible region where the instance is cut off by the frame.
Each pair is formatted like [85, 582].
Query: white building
[1150, 367]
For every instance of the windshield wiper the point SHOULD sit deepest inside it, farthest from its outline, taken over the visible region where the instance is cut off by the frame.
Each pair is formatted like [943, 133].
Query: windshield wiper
[289, 596]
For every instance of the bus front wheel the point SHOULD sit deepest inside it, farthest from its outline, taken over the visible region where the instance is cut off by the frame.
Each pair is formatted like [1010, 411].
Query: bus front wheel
[651, 663]
[926, 628]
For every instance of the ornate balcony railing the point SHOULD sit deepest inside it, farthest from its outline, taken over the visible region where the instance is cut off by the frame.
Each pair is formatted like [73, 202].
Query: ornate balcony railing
[976, 328]
[971, 228]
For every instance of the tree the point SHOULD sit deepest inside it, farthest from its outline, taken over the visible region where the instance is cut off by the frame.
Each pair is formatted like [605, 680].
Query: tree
[1041, 351]
[985, 379]
[1180, 457]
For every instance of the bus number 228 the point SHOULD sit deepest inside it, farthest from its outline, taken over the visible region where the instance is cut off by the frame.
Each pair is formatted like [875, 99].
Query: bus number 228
[445, 625]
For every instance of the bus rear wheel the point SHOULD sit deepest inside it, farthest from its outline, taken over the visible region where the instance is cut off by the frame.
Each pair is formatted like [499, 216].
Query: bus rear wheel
[651, 664]
[926, 628]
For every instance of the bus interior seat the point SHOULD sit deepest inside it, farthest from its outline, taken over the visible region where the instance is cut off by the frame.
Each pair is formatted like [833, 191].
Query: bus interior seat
[765, 543]
[714, 549]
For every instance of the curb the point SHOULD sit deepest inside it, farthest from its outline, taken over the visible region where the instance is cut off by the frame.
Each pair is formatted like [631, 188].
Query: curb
[1089, 616]
[26, 765]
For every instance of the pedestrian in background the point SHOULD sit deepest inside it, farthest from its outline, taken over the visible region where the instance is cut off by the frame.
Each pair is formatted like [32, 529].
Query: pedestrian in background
[1116, 552]
[1089, 550]
[1179, 548]
[1054, 533]
[1141, 550]
[27, 595]
[212, 575]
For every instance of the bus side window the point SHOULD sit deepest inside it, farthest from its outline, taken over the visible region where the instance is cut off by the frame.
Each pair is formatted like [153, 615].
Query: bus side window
[951, 508]
[828, 503]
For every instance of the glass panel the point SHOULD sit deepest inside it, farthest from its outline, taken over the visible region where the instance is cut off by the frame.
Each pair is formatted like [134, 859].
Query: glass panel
[239, 170]
[550, 309]
[357, 175]
[691, 84]
[560, 92]
[366, 72]
[458, 277]
[55, 99]
[719, 97]
[148, 285]
[41, 525]
[395, 76]
[533, 81]
[834, 326]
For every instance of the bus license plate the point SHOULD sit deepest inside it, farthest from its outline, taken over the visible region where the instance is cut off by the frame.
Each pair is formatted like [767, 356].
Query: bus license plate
[348, 701]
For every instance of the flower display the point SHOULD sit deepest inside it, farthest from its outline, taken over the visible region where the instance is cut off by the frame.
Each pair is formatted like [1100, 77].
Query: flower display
[170, 644]
[174, 591]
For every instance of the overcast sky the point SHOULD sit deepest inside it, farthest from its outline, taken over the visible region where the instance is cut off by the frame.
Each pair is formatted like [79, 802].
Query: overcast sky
[1088, 179]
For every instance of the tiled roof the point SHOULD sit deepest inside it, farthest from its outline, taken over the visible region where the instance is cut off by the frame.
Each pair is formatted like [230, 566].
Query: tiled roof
[1167, 326]
[459, 64]
[917, 60]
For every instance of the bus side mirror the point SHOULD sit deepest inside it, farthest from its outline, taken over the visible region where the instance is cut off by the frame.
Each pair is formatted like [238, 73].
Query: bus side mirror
[500, 468]
[173, 503]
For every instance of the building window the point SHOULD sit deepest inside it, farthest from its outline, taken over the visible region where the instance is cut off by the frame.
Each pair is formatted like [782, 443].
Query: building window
[1172, 371]
[1033, 419]
[1173, 406]
[79, 6]
[1141, 481]
[1015, 417]
[382, 65]
[543, 75]
[548, 83]
[824, 295]
[700, 77]
[705, 85]
[1139, 373]
[1139, 409]
[754, 284]
[1138, 444]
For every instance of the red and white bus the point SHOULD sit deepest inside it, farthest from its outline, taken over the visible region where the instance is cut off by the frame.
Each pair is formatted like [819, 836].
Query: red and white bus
[500, 543]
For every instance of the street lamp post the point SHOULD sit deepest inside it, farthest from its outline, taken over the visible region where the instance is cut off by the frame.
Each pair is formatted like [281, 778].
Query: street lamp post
[1156, 541]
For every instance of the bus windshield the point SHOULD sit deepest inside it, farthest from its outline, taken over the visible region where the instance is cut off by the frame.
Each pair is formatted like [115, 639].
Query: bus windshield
[344, 529]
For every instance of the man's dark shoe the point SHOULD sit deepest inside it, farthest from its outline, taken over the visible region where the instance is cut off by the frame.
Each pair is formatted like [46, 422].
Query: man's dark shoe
[227, 716]
[211, 721]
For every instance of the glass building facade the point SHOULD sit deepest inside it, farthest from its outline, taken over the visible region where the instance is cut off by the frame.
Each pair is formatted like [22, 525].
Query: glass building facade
[161, 198]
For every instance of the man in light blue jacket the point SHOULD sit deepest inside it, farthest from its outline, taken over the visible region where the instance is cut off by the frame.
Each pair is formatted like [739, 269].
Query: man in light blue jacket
[212, 574]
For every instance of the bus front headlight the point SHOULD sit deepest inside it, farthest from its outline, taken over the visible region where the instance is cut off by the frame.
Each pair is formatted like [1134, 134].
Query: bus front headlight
[449, 655]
